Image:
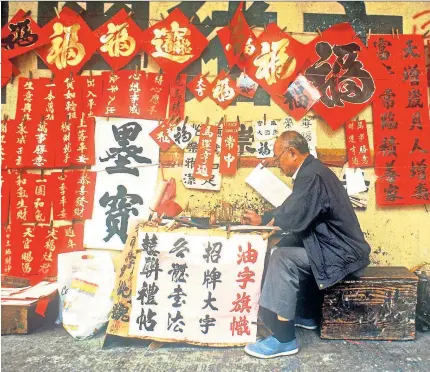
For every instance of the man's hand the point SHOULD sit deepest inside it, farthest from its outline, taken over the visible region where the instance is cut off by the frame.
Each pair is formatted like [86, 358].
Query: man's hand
[251, 218]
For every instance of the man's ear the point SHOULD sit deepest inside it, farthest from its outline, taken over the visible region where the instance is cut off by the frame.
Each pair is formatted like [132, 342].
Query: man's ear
[293, 152]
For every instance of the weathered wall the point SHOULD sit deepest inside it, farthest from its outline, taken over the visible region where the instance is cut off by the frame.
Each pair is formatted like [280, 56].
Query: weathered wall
[398, 236]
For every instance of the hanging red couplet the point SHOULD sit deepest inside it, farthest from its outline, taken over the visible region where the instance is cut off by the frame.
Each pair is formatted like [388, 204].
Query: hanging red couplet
[26, 108]
[357, 144]
[177, 96]
[20, 35]
[401, 122]
[71, 45]
[206, 152]
[71, 238]
[63, 193]
[49, 260]
[83, 144]
[41, 144]
[110, 102]
[345, 72]
[118, 40]
[200, 87]
[229, 148]
[8, 258]
[174, 42]
[92, 91]
[31, 198]
[223, 90]
[84, 194]
[155, 96]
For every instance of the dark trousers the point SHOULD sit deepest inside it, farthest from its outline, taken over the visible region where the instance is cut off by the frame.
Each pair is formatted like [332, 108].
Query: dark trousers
[289, 287]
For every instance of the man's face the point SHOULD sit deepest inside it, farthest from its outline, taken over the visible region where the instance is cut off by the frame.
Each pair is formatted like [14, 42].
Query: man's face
[287, 158]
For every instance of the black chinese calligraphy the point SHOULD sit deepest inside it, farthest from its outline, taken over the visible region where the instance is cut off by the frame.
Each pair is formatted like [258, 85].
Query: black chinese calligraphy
[419, 169]
[409, 50]
[341, 79]
[146, 320]
[213, 252]
[416, 121]
[390, 174]
[123, 135]
[388, 120]
[417, 147]
[179, 247]
[177, 295]
[246, 139]
[382, 52]
[387, 98]
[421, 192]
[264, 149]
[120, 312]
[210, 181]
[152, 266]
[209, 301]
[206, 322]
[123, 289]
[20, 34]
[146, 294]
[175, 322]
[182, 135]
[212, 277]
[412, 74]
[391, 193]
[388, 146]
[121, 206]
[178, 272]
[414, 99]
[149, 245]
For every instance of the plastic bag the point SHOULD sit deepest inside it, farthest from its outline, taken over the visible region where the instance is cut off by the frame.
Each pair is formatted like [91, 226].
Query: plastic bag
[86, 281]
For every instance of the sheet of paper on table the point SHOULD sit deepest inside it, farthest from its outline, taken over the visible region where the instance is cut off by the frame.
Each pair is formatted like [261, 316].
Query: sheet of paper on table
[40, 290]
[268, 185]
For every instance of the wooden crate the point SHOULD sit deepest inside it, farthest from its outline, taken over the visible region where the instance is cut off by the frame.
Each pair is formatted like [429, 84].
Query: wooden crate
[22, 319]
[380, 305]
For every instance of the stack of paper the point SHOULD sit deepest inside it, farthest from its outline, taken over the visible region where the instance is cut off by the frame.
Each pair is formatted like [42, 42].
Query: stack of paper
[27, 295]
[356, 185]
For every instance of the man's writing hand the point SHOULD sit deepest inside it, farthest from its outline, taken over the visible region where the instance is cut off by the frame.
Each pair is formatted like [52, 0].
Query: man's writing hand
[251, 218]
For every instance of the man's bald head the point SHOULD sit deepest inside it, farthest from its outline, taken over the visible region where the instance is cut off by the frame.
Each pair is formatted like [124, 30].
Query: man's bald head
[294, 139]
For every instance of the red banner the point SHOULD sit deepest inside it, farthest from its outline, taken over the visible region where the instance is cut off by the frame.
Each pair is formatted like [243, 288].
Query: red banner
[41, 143]
[63, 194]
[72, 43]
[20, 35]
[161, 134]
[7, 180]
[223, 90]
[200, 87]
[83, 143]
[25, 107]
[206, 152]
[84, 194]
[174, 42]
[118, 40]
[401, 123]
[346, 73]
[177, 97]
[155, 96]
[229, 148]
[110, 102]
[357, 144]
[92, 92]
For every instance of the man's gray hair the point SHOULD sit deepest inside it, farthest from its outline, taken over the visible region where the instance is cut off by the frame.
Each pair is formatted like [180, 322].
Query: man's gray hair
[291, 138]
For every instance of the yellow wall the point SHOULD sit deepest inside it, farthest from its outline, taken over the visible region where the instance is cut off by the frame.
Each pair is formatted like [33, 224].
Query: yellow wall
[398, 236]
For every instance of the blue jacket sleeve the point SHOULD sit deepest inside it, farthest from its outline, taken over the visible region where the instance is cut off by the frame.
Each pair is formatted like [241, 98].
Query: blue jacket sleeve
[308, 200]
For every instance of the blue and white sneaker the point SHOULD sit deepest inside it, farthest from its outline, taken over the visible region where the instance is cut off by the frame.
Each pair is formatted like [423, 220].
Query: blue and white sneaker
[305, 323]
[270, 347]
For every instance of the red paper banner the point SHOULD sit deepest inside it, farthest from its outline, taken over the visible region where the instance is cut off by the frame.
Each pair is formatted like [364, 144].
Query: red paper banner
[223, 90]
[357, 144]
[84, 195]
[155, 96]
[118, 40]
[229, 148]
[72, 43]
[132, 84]
[41, 144]
[6, 186]
[110, 102]
[49, 260]
[26, 108]
[345, 72]
[63, 193]
[7, 142]
[48, 97]
[401, 123]
[83, 143]
[20, 35]
[92, 92]
[174, 42]
[177, 97]
[200, 87]
[31, 198]
[206, 152]
[71, 238]
[8, 258]
[161, 134]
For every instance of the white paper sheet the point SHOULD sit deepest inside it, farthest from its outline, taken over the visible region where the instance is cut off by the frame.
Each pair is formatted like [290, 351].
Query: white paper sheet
[182, 134]
[138, 189]
[132, 134]
[265, 131]
[152, 318]
[354, 181]
[268, 185]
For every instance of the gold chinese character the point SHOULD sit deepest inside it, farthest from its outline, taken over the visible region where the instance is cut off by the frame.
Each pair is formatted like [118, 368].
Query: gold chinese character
[117, 42]
[65, 48]
[273, 62]
[223, 91]
[172, 44]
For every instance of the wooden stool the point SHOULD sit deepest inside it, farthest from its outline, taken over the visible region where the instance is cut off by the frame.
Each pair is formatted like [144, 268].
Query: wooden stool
[380, 305]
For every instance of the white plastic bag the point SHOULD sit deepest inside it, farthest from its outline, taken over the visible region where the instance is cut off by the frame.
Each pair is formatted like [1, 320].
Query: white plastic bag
[86, 281]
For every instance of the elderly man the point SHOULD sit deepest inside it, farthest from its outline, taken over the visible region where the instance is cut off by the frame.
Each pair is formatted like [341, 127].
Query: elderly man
[327, 245]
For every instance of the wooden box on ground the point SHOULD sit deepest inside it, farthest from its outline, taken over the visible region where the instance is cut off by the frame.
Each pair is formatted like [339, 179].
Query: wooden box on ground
[380, 305]
[21, 319]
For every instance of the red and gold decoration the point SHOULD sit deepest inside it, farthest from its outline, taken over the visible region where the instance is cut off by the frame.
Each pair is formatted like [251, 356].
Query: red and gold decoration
[357, 144]
[223, 90]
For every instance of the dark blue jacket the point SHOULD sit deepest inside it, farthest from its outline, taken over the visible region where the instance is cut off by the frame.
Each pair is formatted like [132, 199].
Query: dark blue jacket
[320, 213]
